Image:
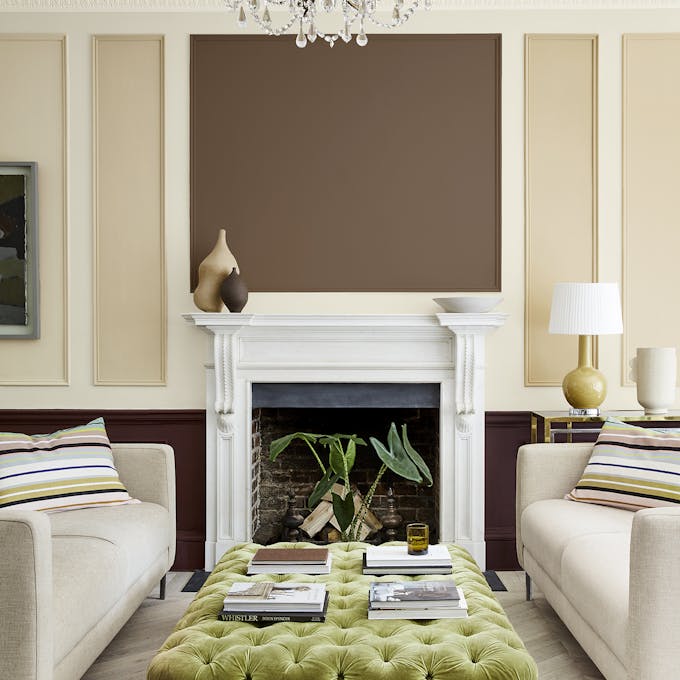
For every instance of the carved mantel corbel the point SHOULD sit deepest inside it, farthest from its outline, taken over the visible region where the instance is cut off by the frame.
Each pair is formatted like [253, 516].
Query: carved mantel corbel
[469, 330]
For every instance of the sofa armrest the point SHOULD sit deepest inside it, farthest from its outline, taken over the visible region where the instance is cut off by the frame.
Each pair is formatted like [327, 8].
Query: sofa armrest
[148, 473]
[654, 599]
[25, 595]
[546, 471]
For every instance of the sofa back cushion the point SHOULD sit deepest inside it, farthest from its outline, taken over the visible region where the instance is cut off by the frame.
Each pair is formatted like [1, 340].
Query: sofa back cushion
[631, 468]
[65, 470]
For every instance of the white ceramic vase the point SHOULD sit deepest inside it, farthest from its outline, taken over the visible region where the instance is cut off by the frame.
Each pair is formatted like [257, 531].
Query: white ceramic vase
[654, 369]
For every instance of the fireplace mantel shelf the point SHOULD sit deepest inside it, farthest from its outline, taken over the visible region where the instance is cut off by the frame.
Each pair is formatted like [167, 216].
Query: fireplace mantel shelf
[209, 320]
[441, 349]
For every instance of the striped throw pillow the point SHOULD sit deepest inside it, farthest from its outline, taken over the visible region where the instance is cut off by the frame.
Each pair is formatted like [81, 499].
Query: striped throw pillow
[66, 470]
[631, 468]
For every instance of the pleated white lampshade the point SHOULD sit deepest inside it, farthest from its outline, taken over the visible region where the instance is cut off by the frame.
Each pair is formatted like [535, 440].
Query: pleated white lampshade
[586, 309]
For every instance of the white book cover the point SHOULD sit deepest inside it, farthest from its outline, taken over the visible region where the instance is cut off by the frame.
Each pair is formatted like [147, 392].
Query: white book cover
[397, 556]
[267, 596]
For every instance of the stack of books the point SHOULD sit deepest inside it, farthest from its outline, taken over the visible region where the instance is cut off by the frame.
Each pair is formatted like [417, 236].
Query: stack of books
[266, 602]
[290, 561]
[394, 559]
[416, 600]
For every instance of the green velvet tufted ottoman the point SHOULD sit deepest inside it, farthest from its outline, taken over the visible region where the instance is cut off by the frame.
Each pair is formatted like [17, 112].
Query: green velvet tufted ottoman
[347, 646]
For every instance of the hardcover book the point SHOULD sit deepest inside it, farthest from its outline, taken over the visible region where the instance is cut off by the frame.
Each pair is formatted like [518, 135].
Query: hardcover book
[414, 570]
[397, 556]
[291, 555]
[413, 595]
[290, 568]
[260, 596]
[275, 617]
[455, 609]
[290, 561]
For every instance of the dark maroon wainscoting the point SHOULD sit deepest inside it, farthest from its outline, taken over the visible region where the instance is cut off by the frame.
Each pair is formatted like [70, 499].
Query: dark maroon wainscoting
[506, 431]
[183, 430]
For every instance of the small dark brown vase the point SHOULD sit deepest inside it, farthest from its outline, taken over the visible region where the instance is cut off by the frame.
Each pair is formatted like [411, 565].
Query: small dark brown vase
[234, 292]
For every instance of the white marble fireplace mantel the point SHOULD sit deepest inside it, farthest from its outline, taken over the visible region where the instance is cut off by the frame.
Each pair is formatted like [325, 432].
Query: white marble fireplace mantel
[447, 349]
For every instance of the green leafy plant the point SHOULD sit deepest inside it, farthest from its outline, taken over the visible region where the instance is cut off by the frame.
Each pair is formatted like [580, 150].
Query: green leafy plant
[397, 455]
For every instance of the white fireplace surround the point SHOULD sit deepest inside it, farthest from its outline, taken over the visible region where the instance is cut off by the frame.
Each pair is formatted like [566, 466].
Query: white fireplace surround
[447, 349]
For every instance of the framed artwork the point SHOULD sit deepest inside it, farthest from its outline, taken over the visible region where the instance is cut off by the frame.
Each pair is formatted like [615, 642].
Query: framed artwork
[19, 311]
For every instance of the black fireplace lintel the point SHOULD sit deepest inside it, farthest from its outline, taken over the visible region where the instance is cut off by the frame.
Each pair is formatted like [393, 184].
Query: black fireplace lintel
[345, 395]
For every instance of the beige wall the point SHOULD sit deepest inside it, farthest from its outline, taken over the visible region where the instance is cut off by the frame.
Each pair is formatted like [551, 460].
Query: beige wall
[186, 347]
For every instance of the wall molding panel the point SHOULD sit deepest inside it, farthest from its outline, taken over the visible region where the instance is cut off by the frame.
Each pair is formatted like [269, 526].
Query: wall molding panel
[35, 110]
[561, 117]
[651, 202]
[130, 316]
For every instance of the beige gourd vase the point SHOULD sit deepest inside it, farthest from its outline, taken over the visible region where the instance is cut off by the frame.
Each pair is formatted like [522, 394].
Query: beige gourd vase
[215, 268]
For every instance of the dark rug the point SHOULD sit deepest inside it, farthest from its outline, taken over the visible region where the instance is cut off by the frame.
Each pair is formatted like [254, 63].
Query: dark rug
[199, 577]
[494, 581]
[195, 583]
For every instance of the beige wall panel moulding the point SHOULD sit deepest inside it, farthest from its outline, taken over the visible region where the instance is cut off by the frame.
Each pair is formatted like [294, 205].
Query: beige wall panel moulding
[651, 196]
[130, 291]
[560, 189]
[33, 118]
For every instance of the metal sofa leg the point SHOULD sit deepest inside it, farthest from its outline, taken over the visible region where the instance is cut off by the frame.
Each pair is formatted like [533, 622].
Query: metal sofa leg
[162, 593]
[527, 581]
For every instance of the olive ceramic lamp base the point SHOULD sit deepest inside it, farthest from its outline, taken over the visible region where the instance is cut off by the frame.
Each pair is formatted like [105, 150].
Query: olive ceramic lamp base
[585, 388]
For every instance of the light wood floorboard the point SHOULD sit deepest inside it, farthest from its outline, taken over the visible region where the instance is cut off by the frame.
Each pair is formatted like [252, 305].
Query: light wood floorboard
[557, 654]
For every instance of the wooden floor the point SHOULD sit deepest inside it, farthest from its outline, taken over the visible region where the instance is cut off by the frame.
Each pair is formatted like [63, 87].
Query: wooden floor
[558, 655]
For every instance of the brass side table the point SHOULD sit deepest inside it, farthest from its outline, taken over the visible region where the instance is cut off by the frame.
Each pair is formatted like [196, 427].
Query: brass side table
[549, 418]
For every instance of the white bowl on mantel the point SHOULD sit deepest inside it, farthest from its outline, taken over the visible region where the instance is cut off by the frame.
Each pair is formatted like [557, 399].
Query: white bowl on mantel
[469, 304]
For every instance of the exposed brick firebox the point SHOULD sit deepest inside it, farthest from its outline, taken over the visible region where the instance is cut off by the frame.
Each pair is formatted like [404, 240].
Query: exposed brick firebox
[296, 468]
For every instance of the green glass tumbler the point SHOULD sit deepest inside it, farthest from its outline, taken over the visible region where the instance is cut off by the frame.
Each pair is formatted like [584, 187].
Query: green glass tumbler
[417, 538]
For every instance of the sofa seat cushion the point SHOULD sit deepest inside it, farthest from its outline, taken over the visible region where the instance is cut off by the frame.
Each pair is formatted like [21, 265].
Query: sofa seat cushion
[139, 531]
[88, 579]
[595, 571]
[549, 526]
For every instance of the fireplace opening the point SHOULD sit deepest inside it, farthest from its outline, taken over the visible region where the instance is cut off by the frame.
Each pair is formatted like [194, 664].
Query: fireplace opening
[366, 413]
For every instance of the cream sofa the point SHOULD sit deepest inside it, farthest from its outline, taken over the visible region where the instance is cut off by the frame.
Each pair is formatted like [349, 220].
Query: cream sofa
[70, 580]
[613, 576]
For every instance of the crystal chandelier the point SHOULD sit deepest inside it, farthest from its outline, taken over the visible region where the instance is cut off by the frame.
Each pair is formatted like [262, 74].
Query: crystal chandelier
[350, 15]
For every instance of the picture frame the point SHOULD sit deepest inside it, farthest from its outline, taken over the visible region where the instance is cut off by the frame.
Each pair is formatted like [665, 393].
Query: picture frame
[19, 276]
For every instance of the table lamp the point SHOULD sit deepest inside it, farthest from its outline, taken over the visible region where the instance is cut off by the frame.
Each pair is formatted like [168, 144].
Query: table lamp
[585, 309]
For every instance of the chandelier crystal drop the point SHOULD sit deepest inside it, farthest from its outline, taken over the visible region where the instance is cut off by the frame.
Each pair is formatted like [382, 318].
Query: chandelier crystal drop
[350, 16]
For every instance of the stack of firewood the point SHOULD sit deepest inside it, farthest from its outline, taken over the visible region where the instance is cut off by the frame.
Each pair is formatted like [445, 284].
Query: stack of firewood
[323, 515]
